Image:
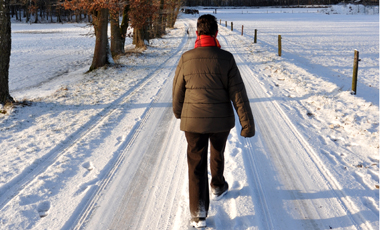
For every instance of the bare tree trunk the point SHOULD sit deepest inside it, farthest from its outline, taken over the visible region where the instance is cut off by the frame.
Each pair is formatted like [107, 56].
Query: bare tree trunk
[124, 25]
[12, 11]
[20, 9]
[28, 14]
[174, 14]
[59, 14]
[100, 21]
[160, 26]
[169, 17]
[116, 38]
[139, 37]
[163, 23]
[5, 51]
[17, 10]
[36, 19]
[118, 32]
[51, 14]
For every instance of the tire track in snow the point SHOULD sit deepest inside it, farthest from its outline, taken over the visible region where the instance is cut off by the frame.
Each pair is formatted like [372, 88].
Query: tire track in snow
[264, 213]
[134, 182]
[11, 190]
[150, 198]
[301, 171]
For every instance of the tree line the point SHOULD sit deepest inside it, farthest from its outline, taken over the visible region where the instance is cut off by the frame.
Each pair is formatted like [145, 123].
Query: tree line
[273, 2]
[148, 18]
[35, 11]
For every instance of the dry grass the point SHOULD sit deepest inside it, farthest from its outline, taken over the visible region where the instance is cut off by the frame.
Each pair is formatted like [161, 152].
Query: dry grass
[9, 106]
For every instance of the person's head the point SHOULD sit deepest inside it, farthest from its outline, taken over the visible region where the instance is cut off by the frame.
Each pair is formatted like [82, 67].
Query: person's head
[207, 25]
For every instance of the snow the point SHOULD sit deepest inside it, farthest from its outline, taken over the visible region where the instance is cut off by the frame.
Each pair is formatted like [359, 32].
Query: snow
[102, 150]
[352, 9]
[45, 53]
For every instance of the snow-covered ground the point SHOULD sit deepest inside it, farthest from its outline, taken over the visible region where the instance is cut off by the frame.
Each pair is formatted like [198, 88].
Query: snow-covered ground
[102, 150]
[42, 53]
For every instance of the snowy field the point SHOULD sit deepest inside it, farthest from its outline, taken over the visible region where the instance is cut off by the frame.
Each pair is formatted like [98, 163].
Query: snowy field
[42, 53]
[102, 150]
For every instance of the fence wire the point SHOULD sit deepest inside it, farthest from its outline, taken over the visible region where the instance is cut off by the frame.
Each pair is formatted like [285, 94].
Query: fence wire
[296, 45]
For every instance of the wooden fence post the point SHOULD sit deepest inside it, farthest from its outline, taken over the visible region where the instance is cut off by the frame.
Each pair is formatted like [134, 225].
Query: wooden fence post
[232, 26]
[279, 45]
[226, 23]
[255, 39]
[242, 29]
[220, 22]
[355, 72]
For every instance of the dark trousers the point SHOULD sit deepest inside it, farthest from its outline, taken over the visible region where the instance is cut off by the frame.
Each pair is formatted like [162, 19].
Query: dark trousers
[197, 163]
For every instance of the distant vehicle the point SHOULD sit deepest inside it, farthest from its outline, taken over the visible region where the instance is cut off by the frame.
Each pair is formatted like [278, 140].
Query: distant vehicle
[191, 11]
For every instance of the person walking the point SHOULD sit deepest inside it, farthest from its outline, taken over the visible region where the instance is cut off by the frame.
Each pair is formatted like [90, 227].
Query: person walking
[206, 81]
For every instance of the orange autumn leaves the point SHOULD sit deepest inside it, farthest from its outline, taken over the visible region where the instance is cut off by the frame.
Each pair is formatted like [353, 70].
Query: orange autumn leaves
[141, 11]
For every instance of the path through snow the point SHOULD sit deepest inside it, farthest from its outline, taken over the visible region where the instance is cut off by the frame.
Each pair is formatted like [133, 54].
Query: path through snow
[107, 153]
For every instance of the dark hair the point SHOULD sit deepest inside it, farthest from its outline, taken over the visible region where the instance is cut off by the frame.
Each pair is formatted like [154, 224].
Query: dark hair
[207, 25]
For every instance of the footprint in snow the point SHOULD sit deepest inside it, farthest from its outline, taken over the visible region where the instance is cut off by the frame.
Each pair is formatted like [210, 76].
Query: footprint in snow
[121, 139]
[237, 185]
[85, 186]
[235, 152]
[43, 208]
[88, 165]
[374, 159]
[82, 188]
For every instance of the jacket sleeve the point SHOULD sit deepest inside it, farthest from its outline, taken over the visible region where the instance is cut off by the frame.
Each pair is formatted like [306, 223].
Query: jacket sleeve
[178, 90]
[239, 98]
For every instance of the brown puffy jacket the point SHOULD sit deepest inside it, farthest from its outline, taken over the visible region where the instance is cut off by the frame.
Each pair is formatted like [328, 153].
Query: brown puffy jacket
[206, 81]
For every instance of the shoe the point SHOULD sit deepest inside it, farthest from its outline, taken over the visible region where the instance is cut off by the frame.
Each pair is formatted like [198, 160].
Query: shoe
[218, 193]
[198, 222]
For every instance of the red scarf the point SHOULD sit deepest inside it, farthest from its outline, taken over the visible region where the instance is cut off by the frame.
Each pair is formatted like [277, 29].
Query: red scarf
[206, 40]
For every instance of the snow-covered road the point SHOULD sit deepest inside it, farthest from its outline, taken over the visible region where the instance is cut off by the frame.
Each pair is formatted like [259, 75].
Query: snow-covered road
[142, 192]
[287, 178]
[104, 151]
[280, 173]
